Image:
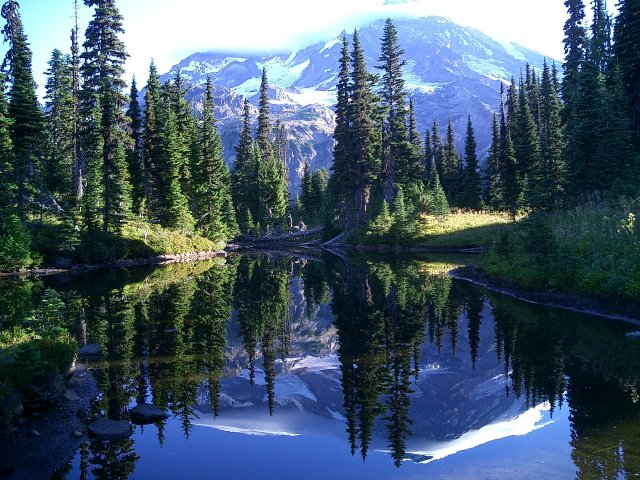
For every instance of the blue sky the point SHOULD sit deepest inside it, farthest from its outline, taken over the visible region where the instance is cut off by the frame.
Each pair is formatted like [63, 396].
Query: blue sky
[169, 31]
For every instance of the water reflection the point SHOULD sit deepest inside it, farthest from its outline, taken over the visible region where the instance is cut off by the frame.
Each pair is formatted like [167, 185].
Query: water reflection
[387, 354]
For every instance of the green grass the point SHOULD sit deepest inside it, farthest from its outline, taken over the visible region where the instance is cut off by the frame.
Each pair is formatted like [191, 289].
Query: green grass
[53, 239]
[593, 249]
[460, 229]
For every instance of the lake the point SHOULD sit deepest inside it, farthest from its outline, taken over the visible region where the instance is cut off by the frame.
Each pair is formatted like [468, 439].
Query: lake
[320, 366]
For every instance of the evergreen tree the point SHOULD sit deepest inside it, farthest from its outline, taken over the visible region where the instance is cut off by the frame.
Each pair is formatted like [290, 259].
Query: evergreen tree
[627, 39]
[27, 128]
[92, 148]
[212, 179]
[244, 173]
[174, 204]
[342, 180]
[575, 42]
[102, 70]
[306, 195]
[451, 173]
[319, 180]
[395, 143]
[526, 144]
[59, 113]
[135, 154]
[151, 144]
[493, 182]
[77, 167]
[428, 154]
[364, 146]
[510, 180]
[470, 196]
[437, 147]
[264, 120]
[186, 130]
[547, 178]
[8, 185]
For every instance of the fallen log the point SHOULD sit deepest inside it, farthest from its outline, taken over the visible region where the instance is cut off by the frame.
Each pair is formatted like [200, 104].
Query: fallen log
[282, 237]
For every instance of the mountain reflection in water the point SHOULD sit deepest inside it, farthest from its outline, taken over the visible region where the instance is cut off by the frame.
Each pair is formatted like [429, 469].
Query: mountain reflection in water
[379, 355]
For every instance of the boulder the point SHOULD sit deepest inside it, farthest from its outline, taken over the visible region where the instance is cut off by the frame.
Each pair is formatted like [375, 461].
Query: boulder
[145, 413]
[106, 429]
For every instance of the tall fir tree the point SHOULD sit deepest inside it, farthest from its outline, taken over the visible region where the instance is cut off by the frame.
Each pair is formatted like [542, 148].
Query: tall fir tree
[395, 142]
[8, 185]
[136, 152]
[214, 210]
[471, 193]
[244, 174]
[27, 128]
[151, 144]
[365, 144]
[264, 117]
[548, 175]
[493, 191]
[77, 166]
[626, 41]
[451, 173]
[526, 144]
[59, 114]
[174, 204]
[102, 70]
[342, 180]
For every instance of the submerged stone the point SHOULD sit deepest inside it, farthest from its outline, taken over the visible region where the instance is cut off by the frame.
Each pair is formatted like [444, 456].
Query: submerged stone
[146, 413]
[106, 429]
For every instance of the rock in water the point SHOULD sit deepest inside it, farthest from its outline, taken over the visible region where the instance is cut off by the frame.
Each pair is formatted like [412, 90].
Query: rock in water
[106, 429]
[90, 350]
[145, 413]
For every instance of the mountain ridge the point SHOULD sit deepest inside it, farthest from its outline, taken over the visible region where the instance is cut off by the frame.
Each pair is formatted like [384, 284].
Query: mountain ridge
[451, 72]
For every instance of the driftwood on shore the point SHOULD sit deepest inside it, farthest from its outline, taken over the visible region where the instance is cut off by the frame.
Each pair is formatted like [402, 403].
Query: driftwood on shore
[271, 238]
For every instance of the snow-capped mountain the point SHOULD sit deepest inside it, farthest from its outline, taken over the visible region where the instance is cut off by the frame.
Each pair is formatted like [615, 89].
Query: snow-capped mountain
[450, 71]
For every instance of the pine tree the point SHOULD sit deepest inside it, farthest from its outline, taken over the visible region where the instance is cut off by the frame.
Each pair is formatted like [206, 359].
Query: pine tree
[510, 180]
[451, 173]
[342, 179]
[364, 147]
[428, 154]
[526, 144]
[151, 144]
[548, 174]
[8, 185]
[600, 42]
[135, 154]
[319, 195]
[185, 126]
[92, 149]
[437, 148]
[174, 203]
[626, 41]
[396, 158]
[59, 114]
[77, 167]
[264, 120]
[306, 195]
[102, 70]
[493, 182]
[470, 196]
[244, 173]
[575, 43]
[211, 176]
[27, 128]
[415, 153]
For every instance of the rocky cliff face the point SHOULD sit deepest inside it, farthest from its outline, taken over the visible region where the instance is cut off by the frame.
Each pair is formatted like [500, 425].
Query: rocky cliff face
[450, 71]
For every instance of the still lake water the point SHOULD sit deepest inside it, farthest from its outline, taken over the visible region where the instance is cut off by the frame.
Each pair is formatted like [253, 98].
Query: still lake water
[349, 368]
